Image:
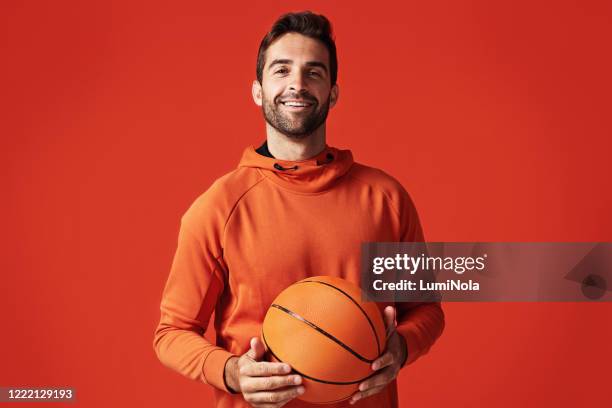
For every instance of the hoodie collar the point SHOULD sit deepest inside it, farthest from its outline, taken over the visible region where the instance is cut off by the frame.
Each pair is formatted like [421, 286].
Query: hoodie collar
[306, 176]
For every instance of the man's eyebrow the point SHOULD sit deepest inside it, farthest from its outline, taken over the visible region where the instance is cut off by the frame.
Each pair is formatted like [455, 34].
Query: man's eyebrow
[289, 62]
[280, 62]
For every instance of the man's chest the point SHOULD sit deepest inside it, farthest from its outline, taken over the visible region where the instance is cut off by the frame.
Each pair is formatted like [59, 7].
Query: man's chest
[273, 243]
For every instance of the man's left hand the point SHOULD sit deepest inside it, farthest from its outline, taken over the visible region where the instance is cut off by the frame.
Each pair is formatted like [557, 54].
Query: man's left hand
[387, 365]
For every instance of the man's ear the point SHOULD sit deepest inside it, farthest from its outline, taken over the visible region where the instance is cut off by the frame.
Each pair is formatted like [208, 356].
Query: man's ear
[257, 93]
[333, 95]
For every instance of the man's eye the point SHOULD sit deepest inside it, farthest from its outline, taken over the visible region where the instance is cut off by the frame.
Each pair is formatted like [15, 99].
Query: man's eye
[315, 73]
[281, 71]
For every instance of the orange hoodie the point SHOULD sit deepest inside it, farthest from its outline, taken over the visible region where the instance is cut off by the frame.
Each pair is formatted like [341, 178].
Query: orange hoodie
[264, 226]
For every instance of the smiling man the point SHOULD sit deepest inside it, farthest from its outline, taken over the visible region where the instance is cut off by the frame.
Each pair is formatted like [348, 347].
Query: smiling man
[296, 94]
[295, 207]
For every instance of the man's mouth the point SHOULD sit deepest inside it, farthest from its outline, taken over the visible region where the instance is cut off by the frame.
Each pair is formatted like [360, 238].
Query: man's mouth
[297, 105]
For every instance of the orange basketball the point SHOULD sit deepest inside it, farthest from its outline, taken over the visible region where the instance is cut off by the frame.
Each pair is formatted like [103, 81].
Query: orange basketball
[322, 329]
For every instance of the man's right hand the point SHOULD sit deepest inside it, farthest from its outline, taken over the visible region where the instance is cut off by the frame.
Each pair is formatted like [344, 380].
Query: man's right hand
[261, 383]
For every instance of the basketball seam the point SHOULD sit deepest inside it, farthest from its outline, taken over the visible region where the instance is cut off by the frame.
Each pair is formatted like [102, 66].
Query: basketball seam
[356, 304]
[263, 336]
[320, 330]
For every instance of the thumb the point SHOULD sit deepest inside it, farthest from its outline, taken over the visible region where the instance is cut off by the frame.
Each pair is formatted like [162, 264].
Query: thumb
[389, 315]
[257, 349]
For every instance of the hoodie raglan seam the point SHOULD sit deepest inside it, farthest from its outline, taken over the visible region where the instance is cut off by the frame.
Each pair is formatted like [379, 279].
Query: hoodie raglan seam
[234, 206]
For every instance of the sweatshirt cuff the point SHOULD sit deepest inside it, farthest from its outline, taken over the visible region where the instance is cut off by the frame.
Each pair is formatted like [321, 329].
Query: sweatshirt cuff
[214, 369]
[412, 347]
[405, 346]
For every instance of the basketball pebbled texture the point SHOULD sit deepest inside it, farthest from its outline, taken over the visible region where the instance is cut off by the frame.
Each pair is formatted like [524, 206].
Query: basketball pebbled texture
[322, 329]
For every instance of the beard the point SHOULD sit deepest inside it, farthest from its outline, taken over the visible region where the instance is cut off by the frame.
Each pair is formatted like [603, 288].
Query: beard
[297, 125]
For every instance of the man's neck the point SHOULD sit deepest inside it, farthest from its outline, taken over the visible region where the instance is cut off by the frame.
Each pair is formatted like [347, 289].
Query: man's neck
[286, 148]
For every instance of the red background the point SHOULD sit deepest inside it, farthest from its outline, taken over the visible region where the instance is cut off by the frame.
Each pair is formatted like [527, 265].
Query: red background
[116, 115]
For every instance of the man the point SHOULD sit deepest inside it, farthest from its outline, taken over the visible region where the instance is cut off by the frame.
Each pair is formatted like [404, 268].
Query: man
[294, 208]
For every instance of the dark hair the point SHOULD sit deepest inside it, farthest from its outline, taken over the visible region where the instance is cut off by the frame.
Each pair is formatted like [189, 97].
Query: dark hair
[307, 23]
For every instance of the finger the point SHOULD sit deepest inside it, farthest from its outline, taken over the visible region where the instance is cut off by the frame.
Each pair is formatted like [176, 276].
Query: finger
[255, 384]
[389, 316]
[264, 369]
[270, 397]
[361, 395]
[257, 349]
[383, 378]
[383, 361]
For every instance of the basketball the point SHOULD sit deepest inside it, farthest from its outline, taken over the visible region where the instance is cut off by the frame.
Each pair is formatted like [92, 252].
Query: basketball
[322, 329]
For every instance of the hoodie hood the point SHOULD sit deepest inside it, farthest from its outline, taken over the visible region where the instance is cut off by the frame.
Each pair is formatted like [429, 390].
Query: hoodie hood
[307, 176]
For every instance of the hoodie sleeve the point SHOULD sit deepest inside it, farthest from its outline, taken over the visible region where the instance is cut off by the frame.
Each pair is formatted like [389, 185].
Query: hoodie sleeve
[420, 323]
[193, 287]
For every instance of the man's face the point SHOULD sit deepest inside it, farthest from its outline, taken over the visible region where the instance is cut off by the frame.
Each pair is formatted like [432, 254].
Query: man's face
[296, 92]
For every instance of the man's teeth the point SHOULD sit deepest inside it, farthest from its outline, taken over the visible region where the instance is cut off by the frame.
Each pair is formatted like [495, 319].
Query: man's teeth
[295, 104]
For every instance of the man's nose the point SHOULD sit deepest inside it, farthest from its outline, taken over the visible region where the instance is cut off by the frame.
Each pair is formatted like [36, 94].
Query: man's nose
[297, 82]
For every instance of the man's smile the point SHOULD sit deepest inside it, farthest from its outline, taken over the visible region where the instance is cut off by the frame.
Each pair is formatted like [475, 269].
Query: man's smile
[296, 105]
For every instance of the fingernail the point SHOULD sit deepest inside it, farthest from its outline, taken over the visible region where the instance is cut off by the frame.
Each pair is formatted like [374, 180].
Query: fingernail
[297, 379]
[362, 387]
[286, 368]
[375, 366]
[301, 390]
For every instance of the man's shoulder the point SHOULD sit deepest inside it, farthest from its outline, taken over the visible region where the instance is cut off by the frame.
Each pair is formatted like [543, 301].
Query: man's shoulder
[388, 187]
[222, 196]
[377, 179]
